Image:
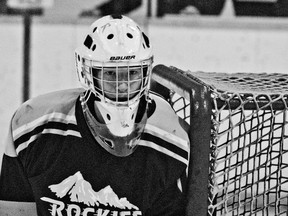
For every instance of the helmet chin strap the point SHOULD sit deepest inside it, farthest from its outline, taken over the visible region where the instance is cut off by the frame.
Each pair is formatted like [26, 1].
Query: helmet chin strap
[119, 120]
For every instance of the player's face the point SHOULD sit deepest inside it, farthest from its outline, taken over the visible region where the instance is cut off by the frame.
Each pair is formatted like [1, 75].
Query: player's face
[120, 84]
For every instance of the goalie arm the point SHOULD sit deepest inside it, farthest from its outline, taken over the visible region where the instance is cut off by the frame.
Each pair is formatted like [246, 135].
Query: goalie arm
[14, 184]
[172, 201]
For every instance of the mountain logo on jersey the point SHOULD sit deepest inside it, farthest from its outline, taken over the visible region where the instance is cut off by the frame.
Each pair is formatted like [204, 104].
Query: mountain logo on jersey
[78, 190]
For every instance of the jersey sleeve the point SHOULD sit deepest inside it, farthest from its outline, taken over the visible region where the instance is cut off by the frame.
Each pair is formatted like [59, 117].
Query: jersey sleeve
[168, 135]
[14, 185]
[26, 127]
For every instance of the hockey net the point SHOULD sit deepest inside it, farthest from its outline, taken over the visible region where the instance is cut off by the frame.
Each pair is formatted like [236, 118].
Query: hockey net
[248, 149]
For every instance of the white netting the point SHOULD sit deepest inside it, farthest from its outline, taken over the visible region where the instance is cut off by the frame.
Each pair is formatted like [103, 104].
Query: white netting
[249, 146]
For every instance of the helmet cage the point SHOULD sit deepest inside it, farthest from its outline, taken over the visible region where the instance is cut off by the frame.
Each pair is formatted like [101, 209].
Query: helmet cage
[93, 74]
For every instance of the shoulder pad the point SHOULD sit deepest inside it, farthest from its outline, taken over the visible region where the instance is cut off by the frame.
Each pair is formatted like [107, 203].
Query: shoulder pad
[58, 107]
[164, 127]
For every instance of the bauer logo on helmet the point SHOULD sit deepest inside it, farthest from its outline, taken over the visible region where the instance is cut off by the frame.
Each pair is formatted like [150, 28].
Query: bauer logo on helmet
[115, 58]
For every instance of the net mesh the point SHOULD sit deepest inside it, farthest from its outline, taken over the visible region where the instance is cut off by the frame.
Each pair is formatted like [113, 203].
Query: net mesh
[249, 147]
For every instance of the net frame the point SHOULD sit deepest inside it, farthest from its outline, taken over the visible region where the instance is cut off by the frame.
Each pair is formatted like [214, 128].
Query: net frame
[244, 162]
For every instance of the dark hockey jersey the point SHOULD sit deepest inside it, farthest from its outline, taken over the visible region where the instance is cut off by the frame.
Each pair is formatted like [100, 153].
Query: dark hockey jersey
[51, 158]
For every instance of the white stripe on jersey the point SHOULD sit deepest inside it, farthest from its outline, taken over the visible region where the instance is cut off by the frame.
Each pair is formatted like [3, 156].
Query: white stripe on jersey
[163, 150]
[169, 137]
[56, 117]
[24, 145]
[179, 184]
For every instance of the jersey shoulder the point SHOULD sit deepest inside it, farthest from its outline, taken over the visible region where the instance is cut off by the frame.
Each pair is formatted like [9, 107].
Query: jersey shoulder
[49, 113]
[54, 102]
[164, 131]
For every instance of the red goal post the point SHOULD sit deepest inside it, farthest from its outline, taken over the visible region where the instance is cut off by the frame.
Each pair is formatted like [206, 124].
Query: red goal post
[238, 133]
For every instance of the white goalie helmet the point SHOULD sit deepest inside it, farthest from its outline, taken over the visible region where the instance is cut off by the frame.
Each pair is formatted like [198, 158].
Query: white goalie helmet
[115, 63]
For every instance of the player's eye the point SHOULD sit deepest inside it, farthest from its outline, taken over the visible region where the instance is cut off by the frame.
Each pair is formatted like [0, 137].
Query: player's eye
[134, 74]
[110, 73]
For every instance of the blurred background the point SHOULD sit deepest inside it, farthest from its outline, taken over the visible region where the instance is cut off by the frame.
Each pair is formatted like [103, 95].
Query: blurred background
[38, 38]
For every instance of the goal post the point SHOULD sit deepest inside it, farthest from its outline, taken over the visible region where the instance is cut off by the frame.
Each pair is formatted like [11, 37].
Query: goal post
[199, 119]
[238, 133]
